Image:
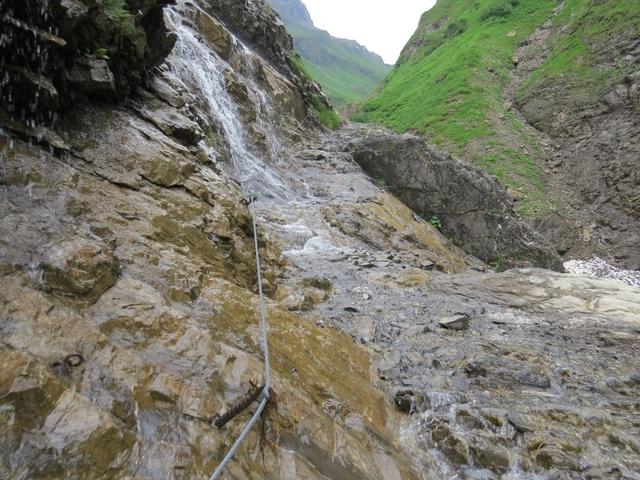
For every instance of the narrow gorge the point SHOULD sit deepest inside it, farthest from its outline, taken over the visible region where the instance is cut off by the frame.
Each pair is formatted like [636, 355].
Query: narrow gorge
[136, 140]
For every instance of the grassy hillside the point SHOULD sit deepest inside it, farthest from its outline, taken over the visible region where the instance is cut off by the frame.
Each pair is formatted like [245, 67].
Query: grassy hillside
[449, 83]
[582, 59]
[346, 71]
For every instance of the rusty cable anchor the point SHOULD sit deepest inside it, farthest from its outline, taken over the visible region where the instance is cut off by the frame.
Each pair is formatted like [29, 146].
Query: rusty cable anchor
[249, 200]
[68, 363]
[241, 405]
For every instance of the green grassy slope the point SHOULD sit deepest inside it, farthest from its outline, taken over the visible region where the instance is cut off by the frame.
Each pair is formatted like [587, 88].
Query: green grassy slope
[581, 60]
[346, 75]
[451, 76]
[346, 71]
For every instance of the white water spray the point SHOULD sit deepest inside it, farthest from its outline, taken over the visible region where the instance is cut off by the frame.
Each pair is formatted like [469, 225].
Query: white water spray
[200, 70]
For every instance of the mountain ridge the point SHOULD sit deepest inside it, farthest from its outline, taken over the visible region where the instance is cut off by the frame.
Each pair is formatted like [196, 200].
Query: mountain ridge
[537, 93]
[346, 70]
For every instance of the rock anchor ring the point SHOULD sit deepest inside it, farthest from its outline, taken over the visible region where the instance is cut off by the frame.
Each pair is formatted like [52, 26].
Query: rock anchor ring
[74, 360]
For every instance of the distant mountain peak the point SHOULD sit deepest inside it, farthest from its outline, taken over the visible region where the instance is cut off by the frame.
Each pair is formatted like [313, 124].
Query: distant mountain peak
[346, 70]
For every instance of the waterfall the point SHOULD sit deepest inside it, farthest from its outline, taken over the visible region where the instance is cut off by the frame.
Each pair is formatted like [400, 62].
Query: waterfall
[201, 70]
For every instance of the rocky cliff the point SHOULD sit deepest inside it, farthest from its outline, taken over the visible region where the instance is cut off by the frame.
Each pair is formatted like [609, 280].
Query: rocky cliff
[461, 200]
[347, 71]
[589, 117]
[128, 305]
[544, 95]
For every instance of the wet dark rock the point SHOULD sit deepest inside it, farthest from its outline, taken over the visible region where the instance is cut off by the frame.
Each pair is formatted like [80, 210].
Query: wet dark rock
[92, 54]
[453, 448]
[176, 333]
[490, 456]
[520, 423]
[408, 401]
[548, 454]
[91, 76]
[475, 369]
[495, 416]
[469, 420]
[26, 83]
[161, 37]
[533, 379]
[456, 323]
[171, 121]
[474, 208]
[213, 32]
[72, 12]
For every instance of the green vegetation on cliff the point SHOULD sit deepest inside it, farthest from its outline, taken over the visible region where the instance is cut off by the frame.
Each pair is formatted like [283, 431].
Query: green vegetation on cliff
[593, 27]
[325, 113]
[452, 80]
[347, 74]
[346, 70]
[117, 11]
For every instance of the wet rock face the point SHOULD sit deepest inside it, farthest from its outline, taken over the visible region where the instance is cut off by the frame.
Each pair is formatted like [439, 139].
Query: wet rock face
[257, 24]
[474, 209]
[79, 267]
[67, 50]
[128, 246]
[151, 282]
[595, 140]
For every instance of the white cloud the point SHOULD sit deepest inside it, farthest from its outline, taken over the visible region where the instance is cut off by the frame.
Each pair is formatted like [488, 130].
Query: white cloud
[382, 26]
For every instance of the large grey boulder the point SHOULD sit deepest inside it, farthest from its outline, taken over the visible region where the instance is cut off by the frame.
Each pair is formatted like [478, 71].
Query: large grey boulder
[473, 207]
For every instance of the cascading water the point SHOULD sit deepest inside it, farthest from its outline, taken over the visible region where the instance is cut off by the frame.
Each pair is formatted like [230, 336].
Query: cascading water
[202, 71]
[283, 191]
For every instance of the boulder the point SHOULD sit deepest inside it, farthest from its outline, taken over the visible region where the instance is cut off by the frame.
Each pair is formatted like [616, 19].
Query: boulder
[161, 37]
[72, 13]
[456, 323]
[171, 121]
[491, 457]
[91, 76]
[474, 208]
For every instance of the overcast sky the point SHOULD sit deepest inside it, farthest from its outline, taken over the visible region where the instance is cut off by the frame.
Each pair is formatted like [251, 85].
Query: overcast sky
[382, 26]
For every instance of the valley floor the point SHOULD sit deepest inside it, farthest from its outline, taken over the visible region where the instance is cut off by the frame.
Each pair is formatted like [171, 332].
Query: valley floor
[538, 372]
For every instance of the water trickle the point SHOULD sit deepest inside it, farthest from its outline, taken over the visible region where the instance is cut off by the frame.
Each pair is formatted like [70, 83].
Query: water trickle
[597, 267]
[200, 70]
[26, 45]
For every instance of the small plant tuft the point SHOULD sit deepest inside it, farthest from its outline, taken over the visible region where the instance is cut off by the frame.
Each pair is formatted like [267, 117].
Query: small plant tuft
[455, 28]
[501, 10]
[436, 223]
[101, 54]
[117, 11]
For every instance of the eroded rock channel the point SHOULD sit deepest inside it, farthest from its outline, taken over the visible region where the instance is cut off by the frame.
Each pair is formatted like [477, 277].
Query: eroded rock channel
[128, 312]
